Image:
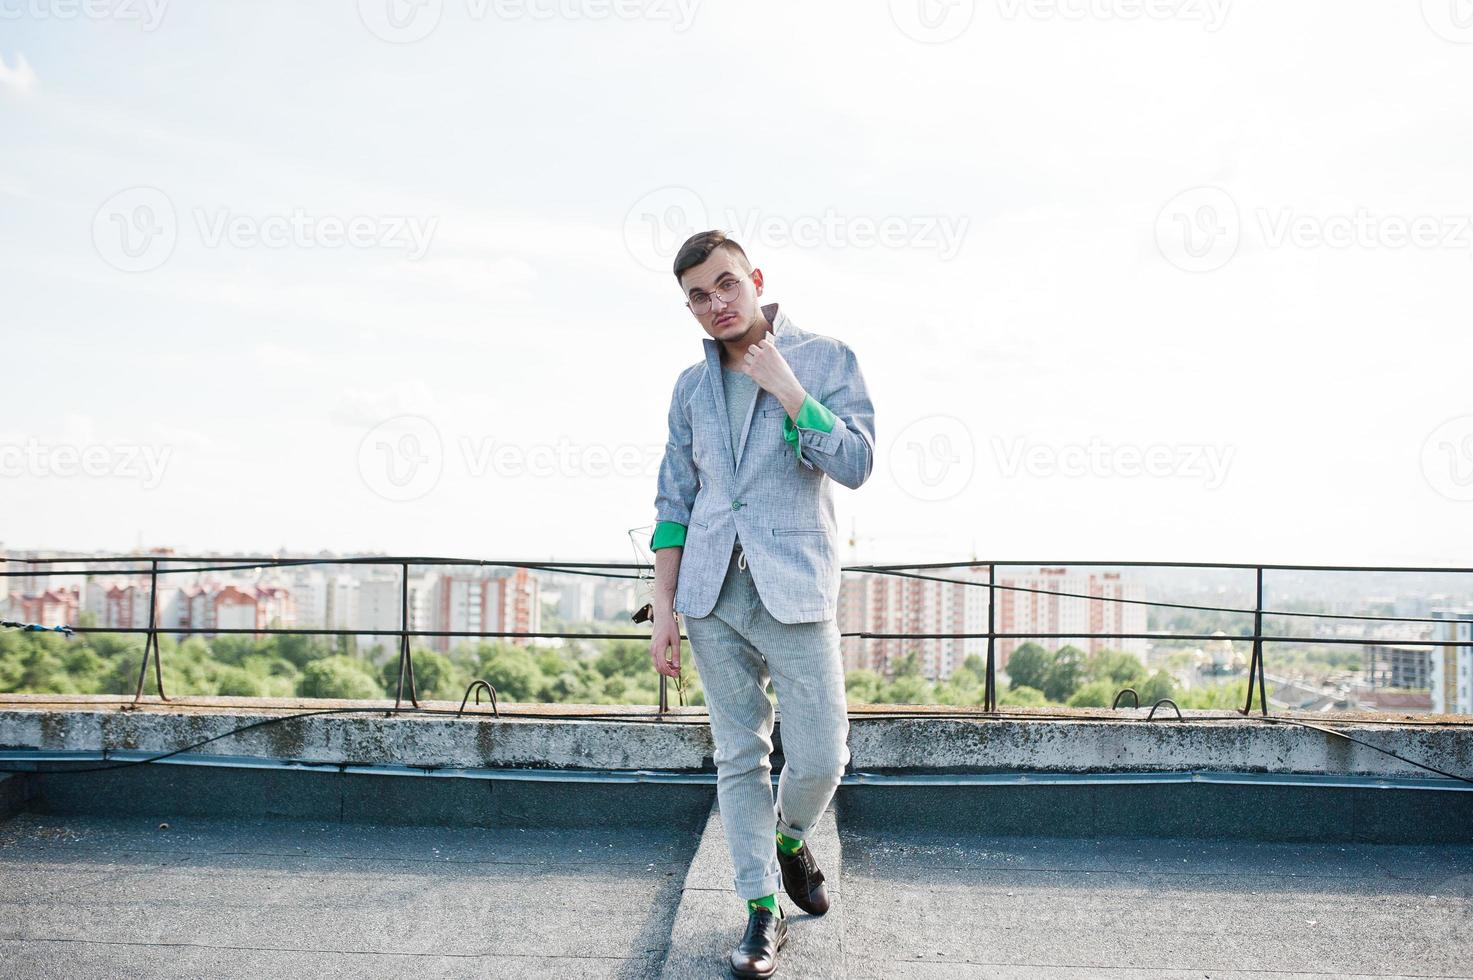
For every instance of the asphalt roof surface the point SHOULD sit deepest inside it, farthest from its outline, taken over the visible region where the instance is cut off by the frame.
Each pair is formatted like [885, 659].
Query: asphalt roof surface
[938, 906]
[93, 896]
[103, 896]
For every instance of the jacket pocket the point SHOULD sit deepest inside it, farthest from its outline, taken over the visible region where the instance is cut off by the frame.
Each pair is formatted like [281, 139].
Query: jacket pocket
[799, 530]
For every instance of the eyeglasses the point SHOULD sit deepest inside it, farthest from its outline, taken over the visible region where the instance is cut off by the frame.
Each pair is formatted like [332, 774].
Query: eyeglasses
[726, 290]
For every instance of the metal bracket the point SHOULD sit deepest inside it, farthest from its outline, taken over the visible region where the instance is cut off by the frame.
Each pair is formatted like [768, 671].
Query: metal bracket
[1123, 692]
[476, 686]
[1159, 704]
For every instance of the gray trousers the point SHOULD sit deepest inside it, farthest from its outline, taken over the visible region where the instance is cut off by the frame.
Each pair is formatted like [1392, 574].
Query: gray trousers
[736, 648]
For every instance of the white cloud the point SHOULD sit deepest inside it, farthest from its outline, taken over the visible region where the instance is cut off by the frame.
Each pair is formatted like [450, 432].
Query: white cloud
[277, 357]
[1059, 140]
[21, 79]
[176, 436]
[358, 407]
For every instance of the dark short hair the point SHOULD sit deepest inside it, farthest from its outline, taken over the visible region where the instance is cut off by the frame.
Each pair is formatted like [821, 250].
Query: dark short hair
[698, 248]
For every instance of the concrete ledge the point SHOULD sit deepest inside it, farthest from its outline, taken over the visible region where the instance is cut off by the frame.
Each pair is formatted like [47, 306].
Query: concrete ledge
[710, 918]
[887, 738]
[1103, 744]
[596, 746]
[535, 737]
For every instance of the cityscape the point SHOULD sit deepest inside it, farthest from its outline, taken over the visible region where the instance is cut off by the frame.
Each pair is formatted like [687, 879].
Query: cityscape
[1397, 666]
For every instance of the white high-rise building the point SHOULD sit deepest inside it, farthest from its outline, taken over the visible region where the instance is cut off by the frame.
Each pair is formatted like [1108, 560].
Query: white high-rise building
[380, 607]
[309, 592]
[341, 602]
[615, 600]
[503, 600]
[1452, 666]
[873, 603]
[576, 595]
[1032, 603]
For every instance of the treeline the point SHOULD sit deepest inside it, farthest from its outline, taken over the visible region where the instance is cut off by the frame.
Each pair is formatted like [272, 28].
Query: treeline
[601, 672]
[611, 671]
[1036, 677]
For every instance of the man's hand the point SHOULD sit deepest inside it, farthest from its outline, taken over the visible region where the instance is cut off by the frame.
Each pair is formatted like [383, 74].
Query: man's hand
[665, 645]
[765, 364]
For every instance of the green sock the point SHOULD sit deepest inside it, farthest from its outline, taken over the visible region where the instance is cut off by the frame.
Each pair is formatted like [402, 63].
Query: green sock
[788, 845]
[769, 901]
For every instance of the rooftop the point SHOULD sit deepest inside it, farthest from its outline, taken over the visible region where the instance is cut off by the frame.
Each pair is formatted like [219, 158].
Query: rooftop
[98, 896]
[584, 842]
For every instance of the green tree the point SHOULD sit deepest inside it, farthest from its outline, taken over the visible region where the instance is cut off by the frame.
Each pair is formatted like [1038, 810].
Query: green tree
[1159, 685]
[1029, 666]
[1219, 696]
[435, 676]
[338, 677]
[1119, 668]
[36, 669]
[562, 688]
[909, 689]
[1064, 674]
[514, 674]
[550, 661]
[862, 686]
[240, 683]
[962, 688]
[628, 658]
[1095, 694]
[231, 648]
[296, 649]
[907, 666]
[87, 671]
[1029, 697]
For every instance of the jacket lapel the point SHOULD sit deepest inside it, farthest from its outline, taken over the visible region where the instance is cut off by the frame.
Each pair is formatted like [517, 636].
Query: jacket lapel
[715, 385]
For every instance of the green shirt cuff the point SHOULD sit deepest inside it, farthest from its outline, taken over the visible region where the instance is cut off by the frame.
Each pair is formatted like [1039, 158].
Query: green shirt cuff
[811, 416]
[668, 534]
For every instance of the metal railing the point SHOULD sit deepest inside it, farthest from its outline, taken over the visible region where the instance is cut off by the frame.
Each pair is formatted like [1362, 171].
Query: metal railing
[175, 565]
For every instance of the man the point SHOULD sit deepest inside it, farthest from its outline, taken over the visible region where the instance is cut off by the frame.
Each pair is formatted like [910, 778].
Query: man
[746, 551]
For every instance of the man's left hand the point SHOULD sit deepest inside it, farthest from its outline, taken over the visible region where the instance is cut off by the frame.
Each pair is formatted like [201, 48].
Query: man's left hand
[765, 364]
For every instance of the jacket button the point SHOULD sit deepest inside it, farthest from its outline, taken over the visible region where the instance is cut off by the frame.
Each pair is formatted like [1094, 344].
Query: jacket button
[736, 505]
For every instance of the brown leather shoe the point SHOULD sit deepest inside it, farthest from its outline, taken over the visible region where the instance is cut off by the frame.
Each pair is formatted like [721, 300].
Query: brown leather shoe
[803, 881]
[756, 954]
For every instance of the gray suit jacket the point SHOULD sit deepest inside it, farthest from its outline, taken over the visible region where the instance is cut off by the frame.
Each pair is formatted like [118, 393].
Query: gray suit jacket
[780, 503]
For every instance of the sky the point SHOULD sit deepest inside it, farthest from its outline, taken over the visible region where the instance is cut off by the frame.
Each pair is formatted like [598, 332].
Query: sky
[1128, 280]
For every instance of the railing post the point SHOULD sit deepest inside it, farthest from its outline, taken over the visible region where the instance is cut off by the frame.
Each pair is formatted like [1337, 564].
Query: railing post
[151, 643]
[406, 662]
[989, 690]
[1255, 663]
